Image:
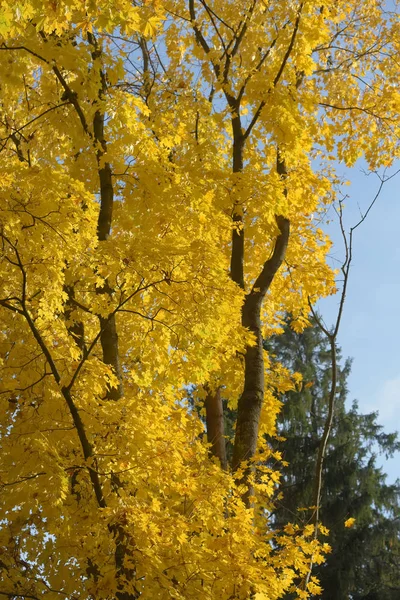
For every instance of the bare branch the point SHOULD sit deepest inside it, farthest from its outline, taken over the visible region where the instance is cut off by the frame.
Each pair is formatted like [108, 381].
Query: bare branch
[256, 69]
[80, 428]
[4, 47]
[45, 112]
[290, 47]
[254, 119]
[211, 16]
[272, 265]
[332, 337]
[21, 479]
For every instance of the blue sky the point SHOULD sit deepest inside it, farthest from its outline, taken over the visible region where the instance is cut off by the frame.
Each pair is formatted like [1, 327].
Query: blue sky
[370, 328]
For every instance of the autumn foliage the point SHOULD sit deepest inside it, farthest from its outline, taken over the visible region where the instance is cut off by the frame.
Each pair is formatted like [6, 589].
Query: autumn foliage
[164, 169]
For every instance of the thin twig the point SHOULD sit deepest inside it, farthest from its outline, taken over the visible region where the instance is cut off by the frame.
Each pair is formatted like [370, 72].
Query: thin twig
[332, 338]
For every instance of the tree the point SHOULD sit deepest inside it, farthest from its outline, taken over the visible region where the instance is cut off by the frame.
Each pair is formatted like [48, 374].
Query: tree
[365, 558]
[274, 67]
[130, 176]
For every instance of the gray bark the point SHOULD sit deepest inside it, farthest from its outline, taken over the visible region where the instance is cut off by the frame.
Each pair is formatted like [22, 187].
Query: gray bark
[215, 425]
[250, 402]
[109, 336]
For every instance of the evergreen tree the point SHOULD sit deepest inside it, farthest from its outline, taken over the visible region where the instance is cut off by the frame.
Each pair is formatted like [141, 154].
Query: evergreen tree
[365, 559]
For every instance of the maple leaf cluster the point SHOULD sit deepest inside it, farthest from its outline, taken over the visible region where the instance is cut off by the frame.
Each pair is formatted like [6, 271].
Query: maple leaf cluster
[165, 168]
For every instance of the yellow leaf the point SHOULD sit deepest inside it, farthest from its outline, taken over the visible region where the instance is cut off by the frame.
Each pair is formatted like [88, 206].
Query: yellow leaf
[349, 522]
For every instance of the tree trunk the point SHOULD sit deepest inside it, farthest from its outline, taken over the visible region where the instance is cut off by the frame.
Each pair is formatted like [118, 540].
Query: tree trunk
[108, 326]
[215, 425]
[250, 402]
[75, 328]
[213, 404]
[109, 336]
[109, 344]
[237, 254]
